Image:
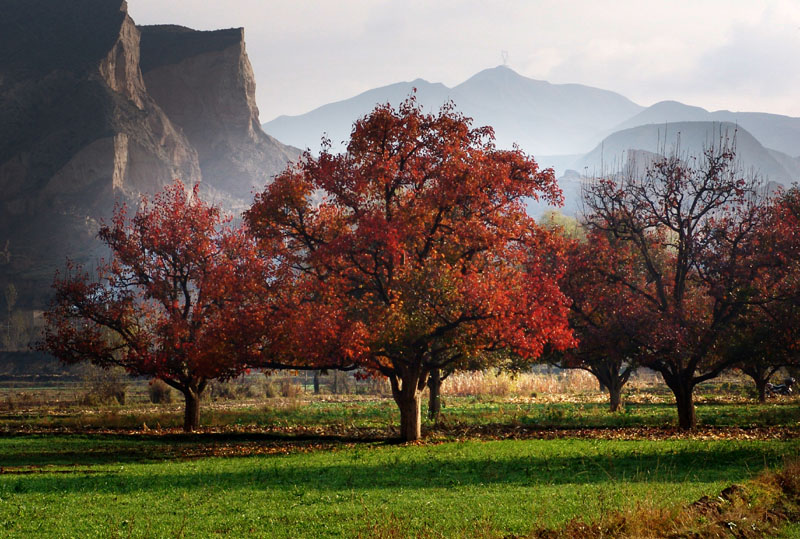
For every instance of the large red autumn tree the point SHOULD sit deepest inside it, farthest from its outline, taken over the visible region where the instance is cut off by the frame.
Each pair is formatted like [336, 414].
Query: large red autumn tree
[413, 251]
[695, 227]
[181, 299]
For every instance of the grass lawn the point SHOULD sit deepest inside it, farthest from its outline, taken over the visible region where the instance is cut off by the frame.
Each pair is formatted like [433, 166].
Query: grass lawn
[116, 485]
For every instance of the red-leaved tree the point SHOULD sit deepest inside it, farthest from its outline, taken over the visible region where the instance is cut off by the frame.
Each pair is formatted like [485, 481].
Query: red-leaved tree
[604, 313]
[695, 225]
[413, 252]
[767, 338]
[181, 299]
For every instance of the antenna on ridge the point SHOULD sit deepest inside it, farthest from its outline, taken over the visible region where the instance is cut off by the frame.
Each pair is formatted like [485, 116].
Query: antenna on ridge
[504, 56]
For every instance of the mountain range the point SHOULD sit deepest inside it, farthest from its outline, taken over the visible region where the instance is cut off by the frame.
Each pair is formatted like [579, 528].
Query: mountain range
[550, 118]
[577, 130]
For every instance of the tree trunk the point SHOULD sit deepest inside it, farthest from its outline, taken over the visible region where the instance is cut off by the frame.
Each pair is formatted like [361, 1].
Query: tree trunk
[410, 417]
[611, 380]
[316, 382]
[615, 397]
[683, 389]
[434, 397]
[407, 398]
[191, 413]
[682, 386]
[687, 419]
[761, 386]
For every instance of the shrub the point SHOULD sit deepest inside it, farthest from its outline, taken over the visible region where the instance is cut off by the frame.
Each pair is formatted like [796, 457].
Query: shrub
[159, 392]
[103, 386]
[271, 389]
[221, 391]
[289, 389]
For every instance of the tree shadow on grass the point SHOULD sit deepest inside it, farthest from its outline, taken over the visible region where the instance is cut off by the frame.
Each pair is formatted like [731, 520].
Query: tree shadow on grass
[103, 449]
[415, 468]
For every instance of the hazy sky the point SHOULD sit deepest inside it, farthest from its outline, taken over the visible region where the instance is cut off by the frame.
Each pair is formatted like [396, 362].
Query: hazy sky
[717, 54]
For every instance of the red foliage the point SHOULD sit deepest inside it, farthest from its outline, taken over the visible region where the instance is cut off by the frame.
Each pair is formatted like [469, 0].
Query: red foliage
[696, 228]
[181, 298]
[767, 337]
[605, 313]
[413, 251]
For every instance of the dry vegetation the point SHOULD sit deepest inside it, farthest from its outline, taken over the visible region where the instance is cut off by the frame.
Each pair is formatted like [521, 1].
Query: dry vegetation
[97, 389]
[759, 508]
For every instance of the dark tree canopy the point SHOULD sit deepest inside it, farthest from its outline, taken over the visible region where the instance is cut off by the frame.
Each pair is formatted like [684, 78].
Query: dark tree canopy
[604, 313]
[694, 224]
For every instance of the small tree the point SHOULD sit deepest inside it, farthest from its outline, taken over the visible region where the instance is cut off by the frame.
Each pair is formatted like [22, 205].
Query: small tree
[694, 224]
[177, 300]
[604, 315]
[414, 252]
[767, 337]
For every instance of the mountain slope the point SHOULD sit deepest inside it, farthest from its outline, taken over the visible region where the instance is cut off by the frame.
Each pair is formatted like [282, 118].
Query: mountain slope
[774, 131]
[83, 128]
[685, 138]
[542, 118]
[79, 132]
[335, 120]
[205, 84]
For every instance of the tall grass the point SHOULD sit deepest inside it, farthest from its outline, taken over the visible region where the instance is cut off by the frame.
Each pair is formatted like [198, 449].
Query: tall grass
[473, 384]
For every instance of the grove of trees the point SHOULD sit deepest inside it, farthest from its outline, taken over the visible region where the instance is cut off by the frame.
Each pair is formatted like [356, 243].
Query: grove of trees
[411, 256]
[698, 234]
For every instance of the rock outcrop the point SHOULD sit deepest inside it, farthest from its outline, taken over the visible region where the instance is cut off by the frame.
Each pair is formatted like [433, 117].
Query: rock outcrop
[81, 129]
[205, 84]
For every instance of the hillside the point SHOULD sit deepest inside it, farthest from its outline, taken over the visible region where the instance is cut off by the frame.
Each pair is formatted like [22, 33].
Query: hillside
[542, 118]
[685, 138]
[335, 120]
[638, 146]
[205, 84]
[774, 131]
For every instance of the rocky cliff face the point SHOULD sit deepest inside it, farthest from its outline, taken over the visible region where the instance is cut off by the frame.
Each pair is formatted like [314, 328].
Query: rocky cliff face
[205, 84]
[80, 128]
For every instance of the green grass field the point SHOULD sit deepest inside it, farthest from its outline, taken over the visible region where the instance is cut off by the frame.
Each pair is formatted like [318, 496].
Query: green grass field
[108, 486]
[316, 466]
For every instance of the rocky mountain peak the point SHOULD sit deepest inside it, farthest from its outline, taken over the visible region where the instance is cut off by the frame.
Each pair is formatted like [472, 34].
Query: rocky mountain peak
[96, 111]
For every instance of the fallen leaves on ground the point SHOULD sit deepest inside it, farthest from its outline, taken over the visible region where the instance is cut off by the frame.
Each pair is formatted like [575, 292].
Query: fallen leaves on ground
[233, 441]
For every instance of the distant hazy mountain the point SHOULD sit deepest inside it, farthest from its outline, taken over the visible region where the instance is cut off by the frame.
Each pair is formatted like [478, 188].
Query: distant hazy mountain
[638, 146]
[774, 131]
[335, 120]
[558, 123]
[687, 138]
[542, 118]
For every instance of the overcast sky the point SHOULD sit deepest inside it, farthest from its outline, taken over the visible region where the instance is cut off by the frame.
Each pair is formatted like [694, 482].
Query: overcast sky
[717, 54]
